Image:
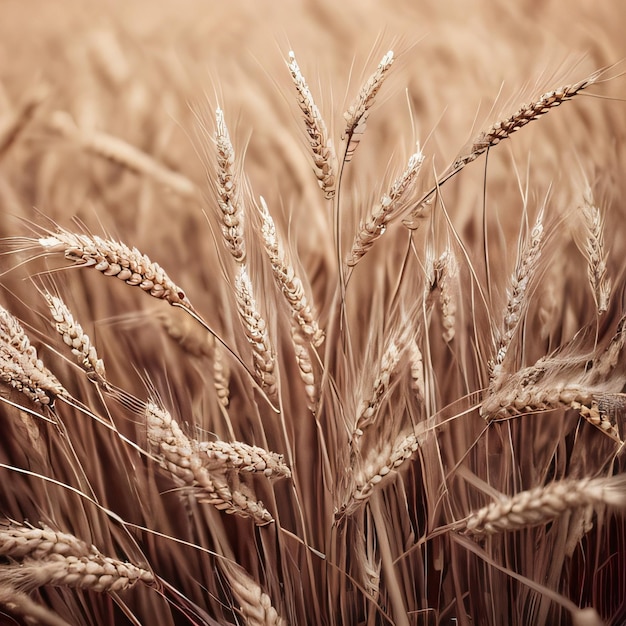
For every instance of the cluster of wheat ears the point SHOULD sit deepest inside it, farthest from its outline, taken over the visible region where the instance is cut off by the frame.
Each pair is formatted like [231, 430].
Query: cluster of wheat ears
[381, 428]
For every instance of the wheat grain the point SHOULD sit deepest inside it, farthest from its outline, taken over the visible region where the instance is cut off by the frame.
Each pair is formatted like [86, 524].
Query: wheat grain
[524, 115]
[221, 376]
[20, 366]
[122, 153]
[113, 258]
[416, 361]
[255, 605]
[183, 458]
[255, 328]
[595, 252]
[290, 285]
[543, 504]
[446, 271]
[229, 193]
[74, 337]
[321, 145]
[305, 368]
[386, 210]
[358, 112]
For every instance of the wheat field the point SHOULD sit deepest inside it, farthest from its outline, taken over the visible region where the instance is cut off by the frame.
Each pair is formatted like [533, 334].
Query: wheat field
[364, 361]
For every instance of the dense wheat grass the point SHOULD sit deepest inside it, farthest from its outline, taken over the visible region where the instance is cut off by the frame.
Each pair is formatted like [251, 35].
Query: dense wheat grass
[444, 439]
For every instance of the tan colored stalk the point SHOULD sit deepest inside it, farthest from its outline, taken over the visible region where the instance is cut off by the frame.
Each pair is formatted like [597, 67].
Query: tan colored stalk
[543, 504]
[229, 192]
[122, 153]
[255, 328]
[386, 210]
[517, 299]
[113, 258]
[74, 337]
[321, 145]
[526, 114]
[358, 112]
[21, 368]
[368, 409]
[595, 253]
[184, 459]
[255, 605]
[305, 368]
[289, 283]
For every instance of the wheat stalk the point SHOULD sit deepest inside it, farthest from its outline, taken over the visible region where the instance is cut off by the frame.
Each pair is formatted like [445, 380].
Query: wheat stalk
[204, 475]
[358, 112]
[255, 329]
[228, 192]
[21, 368]
[324, 158]
[74, 337]
[290, 285]
[122, 153]
[386, 210]
[595, 252]
[113, 258]
[543, 504]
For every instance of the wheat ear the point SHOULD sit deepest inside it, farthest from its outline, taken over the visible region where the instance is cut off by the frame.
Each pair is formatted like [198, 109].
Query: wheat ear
[543, 504]
[285, 277]
[74, 337]
[517, 299]
[18, 541]
[113, 258]
[386, 210]
[255, 605]
[416, 361]
[305, 368]
[12, 129]
[122, 153]
[358, 112]
[255, 329]
[446, 271]
[185, 460]
[526, 114]
[228, 192]
[21, 368]
[18, 603]
[324, 158]
[596, 254]
[221, 376]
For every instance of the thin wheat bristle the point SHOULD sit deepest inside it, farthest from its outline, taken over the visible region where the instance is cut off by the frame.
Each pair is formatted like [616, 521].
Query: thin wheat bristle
[517, 299]
[524, 115]
[358, 112]
[122, 153]
[255, 328]
[204, 475]
[74, 337]
[289, 283]
[113, 258]
[388, 208]
[596, 254]
[21, 368]
[321, 145]
[229, 192]
[255, 605]
[543, 504]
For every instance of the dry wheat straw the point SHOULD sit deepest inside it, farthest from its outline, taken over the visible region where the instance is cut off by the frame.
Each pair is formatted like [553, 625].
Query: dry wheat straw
[122, 153]
[305, 368]
[113, 258]
[255, 605]
[185, 460]
[386, 210]
[285, 277]
[74, 337]
[255, 328]
[517, 299]
[543, 504]
[229, 192]
[358, 112]
[20, 366]
[321, 145]
[595, 252]
[369, 407]
[527, 113]
[381, 463]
